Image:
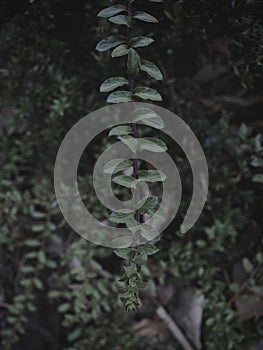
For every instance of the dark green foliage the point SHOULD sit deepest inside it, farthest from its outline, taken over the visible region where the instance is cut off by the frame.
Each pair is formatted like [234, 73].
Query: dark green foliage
[56, 290]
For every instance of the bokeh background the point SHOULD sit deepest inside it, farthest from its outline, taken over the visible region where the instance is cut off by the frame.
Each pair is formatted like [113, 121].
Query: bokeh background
[58, 291]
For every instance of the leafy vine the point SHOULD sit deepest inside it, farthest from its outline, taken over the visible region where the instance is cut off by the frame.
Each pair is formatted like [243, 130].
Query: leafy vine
[128, 45]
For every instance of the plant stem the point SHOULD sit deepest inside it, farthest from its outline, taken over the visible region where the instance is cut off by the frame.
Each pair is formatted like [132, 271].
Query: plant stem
[131, 80]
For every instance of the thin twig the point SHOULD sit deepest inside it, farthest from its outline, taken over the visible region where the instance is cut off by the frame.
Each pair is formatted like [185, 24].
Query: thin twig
[243, 285]
[174, 329]
[131, 79]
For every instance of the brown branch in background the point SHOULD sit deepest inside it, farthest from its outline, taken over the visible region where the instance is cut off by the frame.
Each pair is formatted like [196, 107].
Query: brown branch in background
[174, 329]
[243, 285]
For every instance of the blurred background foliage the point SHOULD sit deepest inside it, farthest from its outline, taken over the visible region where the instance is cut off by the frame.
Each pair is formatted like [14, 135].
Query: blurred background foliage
[58, 291]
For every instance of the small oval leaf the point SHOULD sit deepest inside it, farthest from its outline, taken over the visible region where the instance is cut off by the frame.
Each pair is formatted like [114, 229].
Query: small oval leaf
[147, 248]
[111, 11]
[152, 144]
[131, 142]
[134, 61]
[145, 17]
[120, 20]
[121, 216]
[141, 41]
[151, 175]
[147, 93]
[122, 242]
[116, 165]
[146, 205]
[148, 232]
[113, 83]
[125, 181]
[121, 130]
[119, 51]
[124, 253]
[119, 97]
[151, 69]
[109, 43]
[247, 265]
[143, 113]
[148, 117]
[258, 178]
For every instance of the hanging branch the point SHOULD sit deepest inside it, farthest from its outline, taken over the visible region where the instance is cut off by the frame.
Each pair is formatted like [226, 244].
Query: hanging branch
[129, 45]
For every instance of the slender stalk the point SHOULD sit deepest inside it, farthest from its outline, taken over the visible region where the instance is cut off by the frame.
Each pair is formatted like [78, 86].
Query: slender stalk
[131, 80]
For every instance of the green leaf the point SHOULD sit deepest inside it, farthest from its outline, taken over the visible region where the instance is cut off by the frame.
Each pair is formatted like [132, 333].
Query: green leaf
[257, 162]
[132, 224]
[141, 41]
[151, 175]
[152, 144]
[122, 242]
[151, 69]
[146, 17]
[131, 142]
[147, 93]
[141, 259]
[141, 284]
[41, 257]
[144, 206]
[109, 43]
[74, 334]
[130, 271]
[125, 180]
[143, 113]
[148, 117]
[31, 307]
[32, 243]
[148, 232]
[121, 216]
[120, 130]
[124, 253]
[64, 307]
[51, 264]
[247, 265]
[156, 0]
[38, 228]
[134, 61]
[147, 248]
[113, 83]
[116, 165]
[27, 269]
[26, 282]
[210, 321]
[119, 97]
[38, 283]
[158, 211]
[38, 215]
[119, 51]
[258, 178]
[200, 243]
[258, 143]
[120, 20]
[156, 122]
[31, 255]
[111, 11]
